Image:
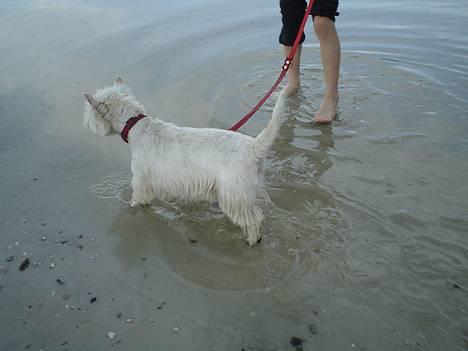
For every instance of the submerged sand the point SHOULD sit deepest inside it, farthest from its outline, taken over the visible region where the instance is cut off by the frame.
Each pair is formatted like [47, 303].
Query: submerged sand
[365, 243]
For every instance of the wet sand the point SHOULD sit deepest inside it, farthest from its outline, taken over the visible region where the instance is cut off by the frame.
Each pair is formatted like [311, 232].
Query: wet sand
[365, 243]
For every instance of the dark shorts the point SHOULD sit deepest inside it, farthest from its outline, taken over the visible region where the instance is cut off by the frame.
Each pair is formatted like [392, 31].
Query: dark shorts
[292, 12]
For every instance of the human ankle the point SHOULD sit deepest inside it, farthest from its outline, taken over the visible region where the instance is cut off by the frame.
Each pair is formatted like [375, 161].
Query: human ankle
[331, 98]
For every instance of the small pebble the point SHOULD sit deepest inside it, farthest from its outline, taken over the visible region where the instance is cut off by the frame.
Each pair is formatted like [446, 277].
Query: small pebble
[93, 299]
[176, 329]
[313, 328]
[295, 341]
[10, 258]
[60, 281]
[52, 265]
[129, 320]
[193, 241]
[24, 265]
[52, 293]
[111, 335]
[43, 238]
[456, 286]
[119, 314]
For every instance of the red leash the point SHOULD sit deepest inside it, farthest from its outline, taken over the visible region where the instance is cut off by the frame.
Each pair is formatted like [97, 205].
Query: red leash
[284, 69]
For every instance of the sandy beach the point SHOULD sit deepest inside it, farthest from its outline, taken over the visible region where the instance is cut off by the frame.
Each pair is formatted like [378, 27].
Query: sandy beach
[365, 244]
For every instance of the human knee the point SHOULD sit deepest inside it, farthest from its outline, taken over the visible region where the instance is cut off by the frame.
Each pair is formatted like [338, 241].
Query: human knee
[323, 26]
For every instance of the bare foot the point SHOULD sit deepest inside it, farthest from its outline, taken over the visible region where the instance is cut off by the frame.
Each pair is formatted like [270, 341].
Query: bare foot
[327, 111]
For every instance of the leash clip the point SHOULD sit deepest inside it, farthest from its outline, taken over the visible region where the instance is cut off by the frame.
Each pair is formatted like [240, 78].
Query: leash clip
[287, 63]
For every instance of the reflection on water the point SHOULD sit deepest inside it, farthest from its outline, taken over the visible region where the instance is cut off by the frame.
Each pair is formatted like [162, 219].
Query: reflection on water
[365, 233]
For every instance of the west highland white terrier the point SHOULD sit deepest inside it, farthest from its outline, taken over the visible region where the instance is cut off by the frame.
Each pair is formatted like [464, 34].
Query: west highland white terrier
[195, 164]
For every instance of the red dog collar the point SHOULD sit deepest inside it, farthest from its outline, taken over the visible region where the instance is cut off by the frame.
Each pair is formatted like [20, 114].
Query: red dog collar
[129, 125]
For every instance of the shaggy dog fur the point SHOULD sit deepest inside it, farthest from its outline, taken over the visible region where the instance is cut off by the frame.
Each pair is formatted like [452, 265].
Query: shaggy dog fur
[196, 164]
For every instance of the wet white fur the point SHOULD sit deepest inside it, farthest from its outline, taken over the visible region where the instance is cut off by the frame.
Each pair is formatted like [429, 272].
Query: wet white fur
[188, 163]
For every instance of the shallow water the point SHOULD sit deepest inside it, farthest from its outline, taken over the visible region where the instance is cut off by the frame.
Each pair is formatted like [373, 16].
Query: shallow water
[366, 234]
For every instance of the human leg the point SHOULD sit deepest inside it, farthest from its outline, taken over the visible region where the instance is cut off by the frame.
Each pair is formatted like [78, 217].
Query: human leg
[330, 53]
[292, 12]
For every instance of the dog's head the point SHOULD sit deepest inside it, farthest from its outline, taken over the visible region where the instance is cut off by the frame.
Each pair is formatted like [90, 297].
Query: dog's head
[108, 108]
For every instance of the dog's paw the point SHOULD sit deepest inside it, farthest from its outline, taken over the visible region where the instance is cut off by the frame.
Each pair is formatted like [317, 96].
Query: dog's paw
[253, 241]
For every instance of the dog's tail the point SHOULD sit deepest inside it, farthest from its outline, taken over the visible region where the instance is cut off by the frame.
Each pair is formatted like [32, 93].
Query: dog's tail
[267, 136]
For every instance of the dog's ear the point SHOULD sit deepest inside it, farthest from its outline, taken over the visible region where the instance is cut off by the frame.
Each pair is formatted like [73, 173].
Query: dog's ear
[119, 80]
[91, 100]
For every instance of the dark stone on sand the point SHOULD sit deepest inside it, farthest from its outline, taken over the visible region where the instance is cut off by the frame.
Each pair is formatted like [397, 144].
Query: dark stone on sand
[160, 307]
[456, 286]
[24, 265]
[119, 315]
[313, 328]
[80, 236]
[193, 241]
[10, 258]
[295, 341]
[60, 281]
[93, 299]
[143, 258]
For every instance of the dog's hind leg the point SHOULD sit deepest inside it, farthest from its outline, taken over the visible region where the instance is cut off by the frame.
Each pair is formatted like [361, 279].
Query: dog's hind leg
[254, 234]
[241, 210]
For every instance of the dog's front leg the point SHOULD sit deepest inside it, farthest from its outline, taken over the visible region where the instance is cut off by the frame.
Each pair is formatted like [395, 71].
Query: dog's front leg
[141, 192]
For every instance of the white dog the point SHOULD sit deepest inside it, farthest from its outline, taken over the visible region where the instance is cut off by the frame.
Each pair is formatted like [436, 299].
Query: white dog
[187, 163]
